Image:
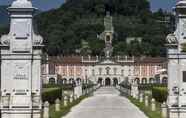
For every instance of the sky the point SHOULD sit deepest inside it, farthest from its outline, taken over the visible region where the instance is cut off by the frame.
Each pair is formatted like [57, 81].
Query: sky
[49, 4]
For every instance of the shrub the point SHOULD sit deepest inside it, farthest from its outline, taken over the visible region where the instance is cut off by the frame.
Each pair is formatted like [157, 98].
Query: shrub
[50, 86]
[51, 94]
[85, 86]
[159, 94]
[150, 86]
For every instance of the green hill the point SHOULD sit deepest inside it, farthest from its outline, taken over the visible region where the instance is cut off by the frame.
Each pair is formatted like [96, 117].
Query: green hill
[65, 28]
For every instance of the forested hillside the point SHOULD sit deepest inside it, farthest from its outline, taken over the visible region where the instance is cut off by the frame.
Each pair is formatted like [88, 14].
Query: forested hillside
[73, 28]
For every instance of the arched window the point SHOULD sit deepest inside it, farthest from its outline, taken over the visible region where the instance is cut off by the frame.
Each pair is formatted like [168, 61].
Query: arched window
[71, 80]
[59, 81]
[64, 81]
[108, 71]
[151, 80]
[107, 82]
[164, 80]
[108, 38]
[115, 71]
[137, 80]
[100, 71]
[122, 72]
[93, 72]
[100, 81]
[115, 81]
[144, 80]
[78, 80]
[52, 80]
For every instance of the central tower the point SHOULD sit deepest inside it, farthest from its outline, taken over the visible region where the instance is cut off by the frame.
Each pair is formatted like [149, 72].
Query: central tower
[108, 34]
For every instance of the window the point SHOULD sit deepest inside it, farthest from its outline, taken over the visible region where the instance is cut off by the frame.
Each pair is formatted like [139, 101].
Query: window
[184, 76]
[108, 38]
[115, 71]
[100, 71]
[108, 70]
[122, 72]
[93, 72]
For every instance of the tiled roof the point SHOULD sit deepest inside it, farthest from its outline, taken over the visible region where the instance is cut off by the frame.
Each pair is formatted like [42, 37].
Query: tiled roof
[77, 60]
[65, 60]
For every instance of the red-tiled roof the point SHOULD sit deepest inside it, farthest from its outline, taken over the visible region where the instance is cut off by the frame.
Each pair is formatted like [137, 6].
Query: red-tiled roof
[77, 60]
[65, 60]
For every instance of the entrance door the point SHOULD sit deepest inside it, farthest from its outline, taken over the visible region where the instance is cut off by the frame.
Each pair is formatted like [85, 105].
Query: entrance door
[107, 82]
[100, 81]
[115, 81]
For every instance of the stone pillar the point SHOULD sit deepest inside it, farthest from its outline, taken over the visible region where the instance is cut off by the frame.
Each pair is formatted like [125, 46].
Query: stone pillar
[71, 98]
[78, 91]
[146, 101]
[141, 97]
[164, 110]
[21, 52]
[65, 102]
[57, 105]
[176, 56]
[46, 110]
[134, 90]
[153, 104]
[75, 97]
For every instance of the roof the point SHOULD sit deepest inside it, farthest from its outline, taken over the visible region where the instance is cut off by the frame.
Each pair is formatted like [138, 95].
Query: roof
[76, 60]
[150, 60]
[65, 60]
[21, 4]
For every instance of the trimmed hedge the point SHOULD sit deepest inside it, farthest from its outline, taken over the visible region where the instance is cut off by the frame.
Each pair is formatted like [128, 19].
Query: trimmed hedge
[50, 86]
[85, 86]
[150, 86]
[127, 86]
[51, 95]
[159, 94]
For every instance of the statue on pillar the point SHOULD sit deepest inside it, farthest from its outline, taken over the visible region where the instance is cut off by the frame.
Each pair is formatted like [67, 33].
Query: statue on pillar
[107, 35]
[176, 100]
[21, 65]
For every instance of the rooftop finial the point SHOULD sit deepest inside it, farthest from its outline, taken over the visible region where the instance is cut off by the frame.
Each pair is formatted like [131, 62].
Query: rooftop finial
[22, 4]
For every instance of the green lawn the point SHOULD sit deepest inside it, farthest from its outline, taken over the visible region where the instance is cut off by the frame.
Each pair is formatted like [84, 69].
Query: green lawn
[64, 110]
[147, 110]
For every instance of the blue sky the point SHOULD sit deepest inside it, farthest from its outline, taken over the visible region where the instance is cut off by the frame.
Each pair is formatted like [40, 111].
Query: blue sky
[48, 4]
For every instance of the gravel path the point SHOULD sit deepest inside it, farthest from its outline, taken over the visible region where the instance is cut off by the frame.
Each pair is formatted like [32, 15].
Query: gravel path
[106, 103]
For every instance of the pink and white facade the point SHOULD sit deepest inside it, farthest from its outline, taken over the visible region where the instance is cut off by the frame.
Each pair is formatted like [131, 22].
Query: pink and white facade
[107, 72]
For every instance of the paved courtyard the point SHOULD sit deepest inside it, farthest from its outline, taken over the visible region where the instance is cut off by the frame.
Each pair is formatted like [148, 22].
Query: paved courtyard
[106, 103]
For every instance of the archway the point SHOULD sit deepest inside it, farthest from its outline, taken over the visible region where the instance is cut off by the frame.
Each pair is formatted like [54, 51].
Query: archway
[52, 81]
[151, 80]
[115, 82]
[59, 81]
[144, 80]
[100, 81]
[64, 81]
[107, 82]
[157, 80]
[78, 81]
[137, 80]
[164, 80]
[71, 80]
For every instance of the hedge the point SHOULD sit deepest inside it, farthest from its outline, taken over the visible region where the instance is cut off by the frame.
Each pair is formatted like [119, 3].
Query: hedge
[50, 86]
[51, 94]
[85, 86]
[159, 94]
[150, 86]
